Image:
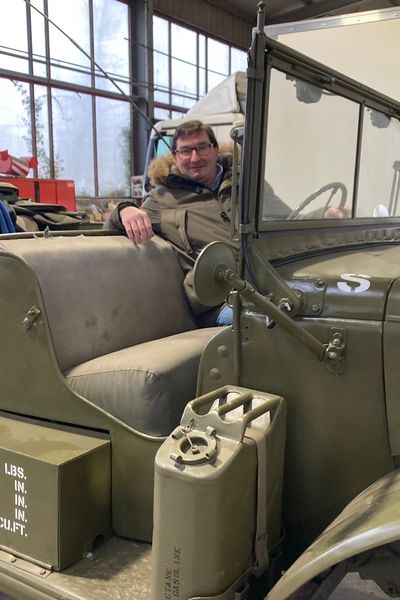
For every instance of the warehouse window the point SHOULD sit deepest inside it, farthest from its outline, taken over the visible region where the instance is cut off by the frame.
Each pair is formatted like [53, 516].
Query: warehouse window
[187, 64]
[56, 104]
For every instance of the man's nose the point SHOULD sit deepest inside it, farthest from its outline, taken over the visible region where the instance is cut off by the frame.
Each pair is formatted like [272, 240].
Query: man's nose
[194, 154]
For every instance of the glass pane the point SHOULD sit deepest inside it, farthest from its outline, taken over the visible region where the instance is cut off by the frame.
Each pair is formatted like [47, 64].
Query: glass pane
[68, 62]
[217, 57]
[161, 114]
[73, 139]
[183, 44]
[114, 147]
[202, 65]
[111, 41]
[42, 132]
[161, 78]
[162, 145]
[311, 149]
[15, 118]
[238, 60]
[161, 60]
[160, 35]
[13, 37]
[378, 190]
[38, 39]
[175, 114]
[184, 84]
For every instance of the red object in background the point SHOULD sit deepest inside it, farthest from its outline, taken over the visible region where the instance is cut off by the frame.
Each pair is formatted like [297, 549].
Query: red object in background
[20, 167]
[47, 191]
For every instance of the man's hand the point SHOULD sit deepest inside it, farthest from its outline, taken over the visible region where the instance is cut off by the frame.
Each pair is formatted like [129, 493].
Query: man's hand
[333, 212]
[137, 224]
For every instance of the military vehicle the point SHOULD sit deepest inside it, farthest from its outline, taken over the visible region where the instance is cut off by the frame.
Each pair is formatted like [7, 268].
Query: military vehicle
[277, 473]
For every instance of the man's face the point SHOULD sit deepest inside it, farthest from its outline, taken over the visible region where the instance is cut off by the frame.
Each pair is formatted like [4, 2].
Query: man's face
[201, 168]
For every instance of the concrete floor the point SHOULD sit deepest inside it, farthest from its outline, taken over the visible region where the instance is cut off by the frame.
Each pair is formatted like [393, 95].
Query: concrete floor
[351, 588]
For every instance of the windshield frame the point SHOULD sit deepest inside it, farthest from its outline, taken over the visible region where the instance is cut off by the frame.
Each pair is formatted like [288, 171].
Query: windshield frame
[279, 57]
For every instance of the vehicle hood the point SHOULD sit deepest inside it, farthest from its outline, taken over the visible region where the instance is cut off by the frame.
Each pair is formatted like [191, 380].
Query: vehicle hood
[347, 283]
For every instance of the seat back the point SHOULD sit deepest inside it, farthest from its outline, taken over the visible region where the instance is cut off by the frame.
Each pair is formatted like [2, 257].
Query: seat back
[104, 293]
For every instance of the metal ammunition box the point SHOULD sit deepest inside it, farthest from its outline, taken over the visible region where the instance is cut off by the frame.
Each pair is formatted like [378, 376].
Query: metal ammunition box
[54, 491]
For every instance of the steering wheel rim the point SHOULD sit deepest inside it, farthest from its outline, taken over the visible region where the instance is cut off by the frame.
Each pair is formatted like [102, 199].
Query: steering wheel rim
[334, 186]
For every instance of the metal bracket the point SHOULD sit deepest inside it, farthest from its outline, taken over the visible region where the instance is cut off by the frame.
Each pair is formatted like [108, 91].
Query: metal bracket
[336, 350]
[312, 294]
[30, 317]
[24, 565]
[245, 228]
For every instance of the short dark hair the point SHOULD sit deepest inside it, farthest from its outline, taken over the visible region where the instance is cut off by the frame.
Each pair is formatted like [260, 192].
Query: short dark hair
[190, 127]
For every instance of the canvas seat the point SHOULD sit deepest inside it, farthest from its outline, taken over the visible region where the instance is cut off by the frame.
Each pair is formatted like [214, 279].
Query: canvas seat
[146, 386]
[123, 333]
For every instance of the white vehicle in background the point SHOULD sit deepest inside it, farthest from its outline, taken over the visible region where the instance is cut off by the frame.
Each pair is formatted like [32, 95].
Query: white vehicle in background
[222, 108]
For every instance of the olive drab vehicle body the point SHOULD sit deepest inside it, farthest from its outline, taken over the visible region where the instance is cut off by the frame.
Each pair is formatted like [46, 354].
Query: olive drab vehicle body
[144, 457]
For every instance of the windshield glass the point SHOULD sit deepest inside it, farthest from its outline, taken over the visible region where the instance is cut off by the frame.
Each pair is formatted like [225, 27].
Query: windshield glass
[378, 188]
[162, 145]
[311, 155]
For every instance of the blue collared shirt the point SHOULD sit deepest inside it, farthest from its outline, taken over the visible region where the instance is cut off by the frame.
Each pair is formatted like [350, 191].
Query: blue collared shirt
[218, 179]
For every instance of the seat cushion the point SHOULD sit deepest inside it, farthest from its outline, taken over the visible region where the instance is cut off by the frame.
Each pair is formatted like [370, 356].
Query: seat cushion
[146, 386]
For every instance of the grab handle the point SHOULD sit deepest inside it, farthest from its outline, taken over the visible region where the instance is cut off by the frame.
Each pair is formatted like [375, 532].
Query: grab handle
[229, 398]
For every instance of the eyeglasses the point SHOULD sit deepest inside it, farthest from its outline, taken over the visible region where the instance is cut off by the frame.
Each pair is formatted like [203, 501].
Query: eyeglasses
[201, 150]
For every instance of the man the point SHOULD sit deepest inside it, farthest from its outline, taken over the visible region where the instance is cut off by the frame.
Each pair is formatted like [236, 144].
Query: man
[190, 207]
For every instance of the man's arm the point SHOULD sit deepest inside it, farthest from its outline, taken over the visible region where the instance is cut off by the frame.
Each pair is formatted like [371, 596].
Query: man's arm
[137, 223]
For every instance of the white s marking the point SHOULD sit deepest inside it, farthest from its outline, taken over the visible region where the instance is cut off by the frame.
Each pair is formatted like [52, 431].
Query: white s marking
[361, 280]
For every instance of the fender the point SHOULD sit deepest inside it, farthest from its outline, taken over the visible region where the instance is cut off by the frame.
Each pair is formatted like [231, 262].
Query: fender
[370, 520]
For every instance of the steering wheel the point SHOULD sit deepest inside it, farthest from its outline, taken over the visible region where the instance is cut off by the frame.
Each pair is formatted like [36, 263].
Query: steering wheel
[334, 187]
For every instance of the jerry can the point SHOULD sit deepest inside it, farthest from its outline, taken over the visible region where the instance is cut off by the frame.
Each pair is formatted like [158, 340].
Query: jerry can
[218, 485]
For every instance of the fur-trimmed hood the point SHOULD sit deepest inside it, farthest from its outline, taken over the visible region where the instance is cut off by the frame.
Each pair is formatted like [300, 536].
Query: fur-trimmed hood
[161, 167]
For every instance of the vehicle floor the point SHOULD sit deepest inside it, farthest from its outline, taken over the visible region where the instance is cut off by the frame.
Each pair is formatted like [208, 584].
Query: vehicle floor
[119, 569]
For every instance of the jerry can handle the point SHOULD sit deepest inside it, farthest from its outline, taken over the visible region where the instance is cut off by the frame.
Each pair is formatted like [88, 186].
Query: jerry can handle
[214, 418]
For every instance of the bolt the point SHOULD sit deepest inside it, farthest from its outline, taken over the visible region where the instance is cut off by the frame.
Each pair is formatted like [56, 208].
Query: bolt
[13, 559]
[315, 307]
[215, 373]
[42, 571]
[222, 351]
[89, 555]
[320, 283]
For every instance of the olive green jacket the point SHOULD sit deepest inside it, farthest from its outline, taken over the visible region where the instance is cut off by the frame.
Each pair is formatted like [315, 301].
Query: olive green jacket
[188, 214]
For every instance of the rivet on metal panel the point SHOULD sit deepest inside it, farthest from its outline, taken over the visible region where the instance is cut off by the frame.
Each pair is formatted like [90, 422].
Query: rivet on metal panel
[215, 373]
[222, 351]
